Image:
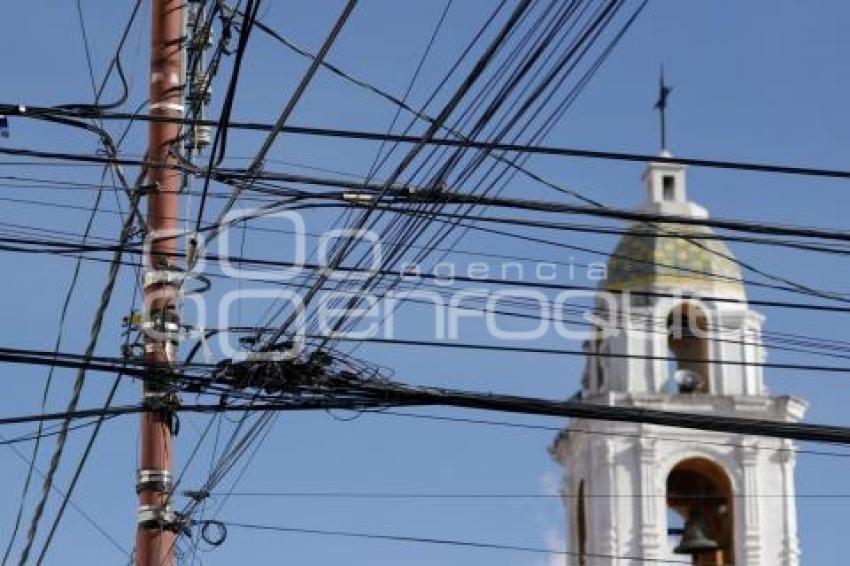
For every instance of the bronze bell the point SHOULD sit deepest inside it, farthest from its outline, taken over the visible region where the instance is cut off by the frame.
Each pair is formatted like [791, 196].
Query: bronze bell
[694, 540]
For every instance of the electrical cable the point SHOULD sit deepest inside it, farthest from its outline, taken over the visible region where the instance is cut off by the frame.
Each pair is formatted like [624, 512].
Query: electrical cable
[475, 144]
[443, 542]
[106, 141]
[574, 430]
[582, 352]
[59, 246]
[74, 505]
[96, 325]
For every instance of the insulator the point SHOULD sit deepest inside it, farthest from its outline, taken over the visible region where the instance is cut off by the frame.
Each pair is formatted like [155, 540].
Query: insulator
[201, 136]
[200, 88]
[201, 36]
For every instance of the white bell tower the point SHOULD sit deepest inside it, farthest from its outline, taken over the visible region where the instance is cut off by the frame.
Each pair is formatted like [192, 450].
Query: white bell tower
[683, 339]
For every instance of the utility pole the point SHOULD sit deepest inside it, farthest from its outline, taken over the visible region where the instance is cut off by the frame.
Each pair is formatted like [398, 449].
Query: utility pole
[155, 532]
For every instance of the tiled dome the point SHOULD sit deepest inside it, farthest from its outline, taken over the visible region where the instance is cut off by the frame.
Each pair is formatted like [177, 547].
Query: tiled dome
[672, 254]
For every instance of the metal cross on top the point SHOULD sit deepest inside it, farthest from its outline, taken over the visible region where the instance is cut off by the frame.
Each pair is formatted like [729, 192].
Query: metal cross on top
[661, 106]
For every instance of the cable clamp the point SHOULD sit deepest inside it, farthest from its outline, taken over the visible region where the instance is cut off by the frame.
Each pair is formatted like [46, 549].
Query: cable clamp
[434, 191]
[167, 348]
[159, 326]
[271, 356]
[196, 494]
[161, 518]
[165, 404]
[162, 277]
[358, 197]
[163, 330]
[161, 401]
[153, 479]
[172, 106]
[155, 517]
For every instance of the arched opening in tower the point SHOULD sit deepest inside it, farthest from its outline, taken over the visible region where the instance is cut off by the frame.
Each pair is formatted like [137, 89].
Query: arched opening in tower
[687, 344]
[700, 494]
[581, 525]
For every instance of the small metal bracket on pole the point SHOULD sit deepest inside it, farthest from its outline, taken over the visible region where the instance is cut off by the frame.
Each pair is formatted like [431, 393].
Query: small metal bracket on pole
[158, 398]
[162, 277]
[152, 478]
[161, 518]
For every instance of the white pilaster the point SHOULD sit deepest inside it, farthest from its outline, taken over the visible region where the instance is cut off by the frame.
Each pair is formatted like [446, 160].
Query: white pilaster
[610, 534]
[649, 499]
[749, 455]
[791, 545]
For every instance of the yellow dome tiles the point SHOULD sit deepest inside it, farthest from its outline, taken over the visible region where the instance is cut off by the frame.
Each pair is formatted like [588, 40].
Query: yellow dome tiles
[672, 254]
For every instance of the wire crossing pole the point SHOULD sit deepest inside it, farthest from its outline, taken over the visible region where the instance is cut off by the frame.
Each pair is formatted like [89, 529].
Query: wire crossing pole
[155, 532]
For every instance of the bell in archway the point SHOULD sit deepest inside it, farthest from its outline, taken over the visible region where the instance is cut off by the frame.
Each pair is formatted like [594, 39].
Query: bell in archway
[694, 540]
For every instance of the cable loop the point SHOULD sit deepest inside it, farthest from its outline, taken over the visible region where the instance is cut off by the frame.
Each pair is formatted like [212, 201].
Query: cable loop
[214, 533]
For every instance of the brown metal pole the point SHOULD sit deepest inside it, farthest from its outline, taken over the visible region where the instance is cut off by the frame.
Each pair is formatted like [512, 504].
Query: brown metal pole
[155, 530]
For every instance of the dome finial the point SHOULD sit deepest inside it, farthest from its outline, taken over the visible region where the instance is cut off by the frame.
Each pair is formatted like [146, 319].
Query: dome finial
[661, 105]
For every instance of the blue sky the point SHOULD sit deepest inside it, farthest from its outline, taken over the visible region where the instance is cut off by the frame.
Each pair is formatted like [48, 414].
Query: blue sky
[756, 81]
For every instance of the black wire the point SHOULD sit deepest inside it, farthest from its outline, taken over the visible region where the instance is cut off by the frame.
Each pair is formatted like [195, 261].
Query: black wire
[46, 432]
[791, 339]
[379, 159]
[668, 233]
[444, 114]
[60, 247]
[257, 163]
[750, 267]
[500, 158]
[476, 144]
[317, 59]
[641, 216]
[106, 141]
[582, 352]
[114, 63]
[57, 344]
[382, 395]
[574, 430]
[86, 47]
[219, 145]
[113, 412]
[440, 177]
[444, 542]
[417, 114]
[456, 495]
[86, 516]
[552, 207]
[89, 444]
[555, 207]
[95, 330]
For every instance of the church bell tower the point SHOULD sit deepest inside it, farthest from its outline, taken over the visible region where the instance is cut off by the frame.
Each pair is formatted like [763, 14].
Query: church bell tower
[679, 336]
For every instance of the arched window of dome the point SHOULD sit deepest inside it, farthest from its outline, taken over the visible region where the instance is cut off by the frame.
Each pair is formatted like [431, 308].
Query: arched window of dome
[699, 500]
[687, 343]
